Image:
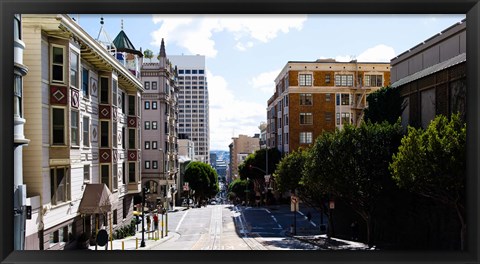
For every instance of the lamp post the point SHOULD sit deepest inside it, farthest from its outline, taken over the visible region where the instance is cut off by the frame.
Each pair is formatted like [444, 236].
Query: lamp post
[166, 183]
[144, 191]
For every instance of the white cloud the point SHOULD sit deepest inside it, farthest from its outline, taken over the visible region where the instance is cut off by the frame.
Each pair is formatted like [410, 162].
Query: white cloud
[195, 33]
[265, 82]
[230, 116]
[379, 53]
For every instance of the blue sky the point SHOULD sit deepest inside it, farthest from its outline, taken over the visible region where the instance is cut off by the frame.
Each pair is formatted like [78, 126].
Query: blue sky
[244, 53]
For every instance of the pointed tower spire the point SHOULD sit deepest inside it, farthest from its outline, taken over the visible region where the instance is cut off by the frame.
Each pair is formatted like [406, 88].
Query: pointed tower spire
[162, 50]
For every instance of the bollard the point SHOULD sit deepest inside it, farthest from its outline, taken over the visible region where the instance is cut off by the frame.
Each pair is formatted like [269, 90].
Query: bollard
[136, 243]
[123, 245]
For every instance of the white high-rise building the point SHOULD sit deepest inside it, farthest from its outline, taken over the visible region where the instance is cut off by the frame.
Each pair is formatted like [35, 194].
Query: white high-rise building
[193, 113]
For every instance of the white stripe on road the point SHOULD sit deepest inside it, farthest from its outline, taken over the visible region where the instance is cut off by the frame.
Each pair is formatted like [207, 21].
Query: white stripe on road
[181, 220]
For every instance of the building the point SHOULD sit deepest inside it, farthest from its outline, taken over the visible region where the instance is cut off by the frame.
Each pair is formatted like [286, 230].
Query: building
[240, 148]
[432, 76]
[84, 116]
[20, 189]
[263, 135]
[159, 134]
[313, 97]
[186, 153]
[193, 116]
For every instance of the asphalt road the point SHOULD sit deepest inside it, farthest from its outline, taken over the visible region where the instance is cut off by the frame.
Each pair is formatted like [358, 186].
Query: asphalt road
[226, 227]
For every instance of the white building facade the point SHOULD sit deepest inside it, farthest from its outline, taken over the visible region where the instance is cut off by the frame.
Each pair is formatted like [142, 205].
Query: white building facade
[193, 104]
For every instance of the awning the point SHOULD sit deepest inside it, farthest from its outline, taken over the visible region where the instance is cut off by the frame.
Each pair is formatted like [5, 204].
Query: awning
[96, 199]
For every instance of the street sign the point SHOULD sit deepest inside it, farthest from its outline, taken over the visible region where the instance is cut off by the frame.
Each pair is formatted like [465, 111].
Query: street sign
[293, 203]
[267, 178]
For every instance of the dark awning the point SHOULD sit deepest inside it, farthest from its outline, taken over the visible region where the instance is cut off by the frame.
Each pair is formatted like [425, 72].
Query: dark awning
[96, 199]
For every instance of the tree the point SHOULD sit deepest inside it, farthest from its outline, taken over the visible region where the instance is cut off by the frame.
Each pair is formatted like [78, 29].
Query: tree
[352, 165]
[289, 171]
[238, 188]
[148, 54]
[255, 165]
[432, 163]
[202, 178]
[384, 105]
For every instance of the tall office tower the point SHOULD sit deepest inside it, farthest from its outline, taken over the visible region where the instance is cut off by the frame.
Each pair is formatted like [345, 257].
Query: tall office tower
[159, 134]
[193, 118]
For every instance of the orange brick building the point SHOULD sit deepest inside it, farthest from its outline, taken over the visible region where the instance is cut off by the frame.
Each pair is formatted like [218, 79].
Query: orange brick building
[318, 96]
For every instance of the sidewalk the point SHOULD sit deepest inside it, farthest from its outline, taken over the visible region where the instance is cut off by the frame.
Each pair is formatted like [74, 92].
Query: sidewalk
[133, 242]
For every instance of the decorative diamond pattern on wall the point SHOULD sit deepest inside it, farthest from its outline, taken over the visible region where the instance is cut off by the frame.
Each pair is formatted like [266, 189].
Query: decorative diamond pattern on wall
[75, 98]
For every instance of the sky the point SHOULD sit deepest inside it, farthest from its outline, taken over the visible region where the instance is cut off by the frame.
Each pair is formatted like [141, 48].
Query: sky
[245, 53]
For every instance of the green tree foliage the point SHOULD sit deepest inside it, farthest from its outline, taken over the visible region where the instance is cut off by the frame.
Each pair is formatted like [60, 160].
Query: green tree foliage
[254, 166]
[352, 165]
[237, 188]
[203, 179]
[148, 54]
[289, 171]
[432, 163]
[384, 105]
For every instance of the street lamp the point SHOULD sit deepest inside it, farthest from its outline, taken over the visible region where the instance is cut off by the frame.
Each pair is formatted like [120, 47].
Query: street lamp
[144, 192]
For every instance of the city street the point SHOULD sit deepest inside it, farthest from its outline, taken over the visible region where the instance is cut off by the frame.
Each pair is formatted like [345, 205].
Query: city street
[224, 227]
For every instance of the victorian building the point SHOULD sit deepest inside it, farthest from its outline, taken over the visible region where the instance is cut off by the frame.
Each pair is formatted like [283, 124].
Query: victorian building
[82, 165]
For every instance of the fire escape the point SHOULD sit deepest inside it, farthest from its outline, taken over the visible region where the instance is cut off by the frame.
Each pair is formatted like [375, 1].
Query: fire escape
[359, 100]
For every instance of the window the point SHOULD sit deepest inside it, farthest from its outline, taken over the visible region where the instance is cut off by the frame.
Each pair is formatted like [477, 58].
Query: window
[305, 137]
[86, 173]
[59, 185]
[131, 172]
[105, 174]
[328, 97]
[306, 118]
[147, 85]
[338, 118]
[17, 101]
[104, 90]
[86, 131]
[147, 144]
[57, 64]
[327, 78]
[131, 105]
[154, 125]
[345, 118]
[123, 138]
[124, 170]
[131, 138]
[345, 99]
[114, 92]
[114, 217]
[305, 79]
[74, 69]
[154, 105]
[58, 126]
[115, 176]
[201, 71]
[373, 80]
[154, 144]
[147, 164]
[154, 164]
[306, 99]
[54, 237]
[85, 78]
[154, 85]
[114, 135]
[74, 134]
[104, 134]
[147, 105]
[122, 105]
[147, 125]
[344, 80]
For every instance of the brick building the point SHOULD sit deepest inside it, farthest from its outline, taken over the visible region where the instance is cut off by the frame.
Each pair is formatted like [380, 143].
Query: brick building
[313, 97]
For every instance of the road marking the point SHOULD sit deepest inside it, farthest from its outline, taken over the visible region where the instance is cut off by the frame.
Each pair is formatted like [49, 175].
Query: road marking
[181, 220]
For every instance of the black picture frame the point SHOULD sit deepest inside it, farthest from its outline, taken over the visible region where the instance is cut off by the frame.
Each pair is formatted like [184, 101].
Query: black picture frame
[469, 7]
